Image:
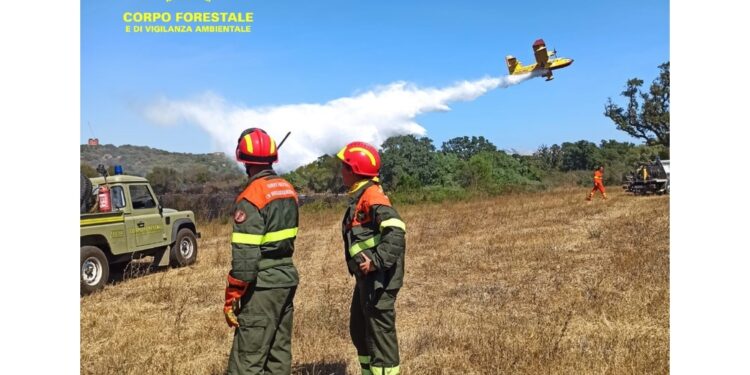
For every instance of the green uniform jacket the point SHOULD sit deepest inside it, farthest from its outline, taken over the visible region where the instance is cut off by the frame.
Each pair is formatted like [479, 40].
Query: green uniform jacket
[266, 218]
[373, 227]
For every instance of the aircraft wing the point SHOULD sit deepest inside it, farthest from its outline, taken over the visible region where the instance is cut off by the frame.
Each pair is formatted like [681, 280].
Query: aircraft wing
[540, 53]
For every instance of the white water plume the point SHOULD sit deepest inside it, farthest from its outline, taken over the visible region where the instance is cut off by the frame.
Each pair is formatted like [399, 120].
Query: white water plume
[319, 129]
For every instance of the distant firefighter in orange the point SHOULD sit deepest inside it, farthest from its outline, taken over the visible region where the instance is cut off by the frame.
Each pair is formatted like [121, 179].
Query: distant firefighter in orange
[598, 183]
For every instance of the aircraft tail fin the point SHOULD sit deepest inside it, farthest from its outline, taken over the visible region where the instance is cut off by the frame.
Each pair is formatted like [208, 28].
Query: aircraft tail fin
[512, 63]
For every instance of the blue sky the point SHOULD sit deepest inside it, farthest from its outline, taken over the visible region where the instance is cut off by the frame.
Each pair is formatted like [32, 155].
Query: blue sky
[315, 52]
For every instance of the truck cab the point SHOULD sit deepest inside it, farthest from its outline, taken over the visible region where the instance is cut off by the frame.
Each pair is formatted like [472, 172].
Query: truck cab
[136, 226]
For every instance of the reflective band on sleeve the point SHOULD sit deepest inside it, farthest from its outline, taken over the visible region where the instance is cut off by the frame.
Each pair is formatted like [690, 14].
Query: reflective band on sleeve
[393, 223]
[364, 359]
[279, 235]
[260, 239]
[366, 244]
[247, 239]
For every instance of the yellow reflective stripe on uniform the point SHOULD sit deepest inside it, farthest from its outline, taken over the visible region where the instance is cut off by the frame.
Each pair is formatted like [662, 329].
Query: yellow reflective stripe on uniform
[393, 223]
[385, 370]
[260, 239]
[364, 245]
[247, 239]
[364, 359]
[279, 235]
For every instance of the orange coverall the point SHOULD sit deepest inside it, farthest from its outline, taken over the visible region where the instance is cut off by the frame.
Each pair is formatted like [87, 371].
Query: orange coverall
[598, 185]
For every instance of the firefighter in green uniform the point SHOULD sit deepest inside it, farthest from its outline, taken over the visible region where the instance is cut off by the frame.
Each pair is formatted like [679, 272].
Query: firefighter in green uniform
[374, 248]
[263, 279]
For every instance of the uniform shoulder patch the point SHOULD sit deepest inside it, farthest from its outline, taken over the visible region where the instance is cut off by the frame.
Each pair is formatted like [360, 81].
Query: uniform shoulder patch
[240, 216]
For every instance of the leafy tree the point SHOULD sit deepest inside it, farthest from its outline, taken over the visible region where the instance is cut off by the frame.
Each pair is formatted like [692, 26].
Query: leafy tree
[491, 170]
[581, 155]
[448, 169]
[647, 114]
[478, 173]
[164, 180]
[549, 158]
[528, 167]
[465, 147]
[510, 169]
[320, 176]
[408, 162]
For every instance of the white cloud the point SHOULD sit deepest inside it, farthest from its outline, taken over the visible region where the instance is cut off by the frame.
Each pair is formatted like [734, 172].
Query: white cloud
[319, 129]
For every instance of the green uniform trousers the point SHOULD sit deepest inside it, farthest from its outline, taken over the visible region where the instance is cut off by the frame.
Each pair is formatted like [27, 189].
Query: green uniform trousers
[372, 326]
[263, 341]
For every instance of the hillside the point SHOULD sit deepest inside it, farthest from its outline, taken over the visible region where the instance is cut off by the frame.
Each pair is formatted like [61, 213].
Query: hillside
[526, 283]
[140, 160]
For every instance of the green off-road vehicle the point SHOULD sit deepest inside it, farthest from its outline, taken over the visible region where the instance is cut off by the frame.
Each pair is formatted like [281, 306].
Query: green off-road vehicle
[136, 226]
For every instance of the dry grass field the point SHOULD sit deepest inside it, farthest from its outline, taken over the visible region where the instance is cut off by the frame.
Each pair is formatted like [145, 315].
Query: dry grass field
[532, 283]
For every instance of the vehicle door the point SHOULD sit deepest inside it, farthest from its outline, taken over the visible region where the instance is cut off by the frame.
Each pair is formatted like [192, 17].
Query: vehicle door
[119, 241]
[147, 225]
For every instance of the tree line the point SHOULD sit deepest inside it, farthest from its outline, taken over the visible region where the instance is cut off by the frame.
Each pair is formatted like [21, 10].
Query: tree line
[414, 166]
[473, 163]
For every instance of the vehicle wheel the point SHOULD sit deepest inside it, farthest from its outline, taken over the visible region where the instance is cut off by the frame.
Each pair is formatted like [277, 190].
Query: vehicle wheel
[94, 269]
[184, 250]
[85, 194]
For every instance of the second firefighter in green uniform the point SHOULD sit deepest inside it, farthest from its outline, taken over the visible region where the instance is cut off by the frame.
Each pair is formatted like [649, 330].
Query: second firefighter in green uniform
[374, 246]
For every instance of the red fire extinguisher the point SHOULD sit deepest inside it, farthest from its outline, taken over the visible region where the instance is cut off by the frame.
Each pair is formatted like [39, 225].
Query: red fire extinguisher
[105, 203]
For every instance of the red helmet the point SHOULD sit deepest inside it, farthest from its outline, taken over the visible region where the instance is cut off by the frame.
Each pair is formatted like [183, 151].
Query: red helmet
[255, 146]
[361, 157]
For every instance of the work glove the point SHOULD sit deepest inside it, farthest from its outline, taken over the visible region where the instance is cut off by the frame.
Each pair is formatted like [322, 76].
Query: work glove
[234, 291]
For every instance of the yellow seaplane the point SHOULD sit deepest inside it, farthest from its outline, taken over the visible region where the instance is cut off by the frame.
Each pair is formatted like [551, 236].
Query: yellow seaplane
[546, 61]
